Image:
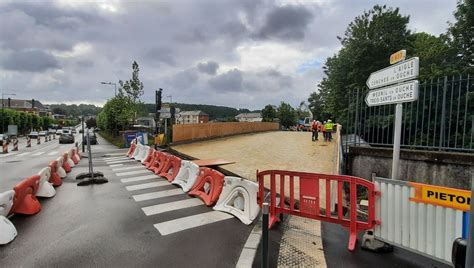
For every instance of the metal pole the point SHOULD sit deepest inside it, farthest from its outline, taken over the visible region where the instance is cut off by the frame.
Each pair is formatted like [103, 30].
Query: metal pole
[83, 148]
[265, 235]
[396, 141]
[470, 238]
[443, 114]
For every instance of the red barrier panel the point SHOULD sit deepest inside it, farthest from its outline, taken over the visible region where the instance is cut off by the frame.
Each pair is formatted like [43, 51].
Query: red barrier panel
[24, 201]
[150, 156]
[66, 165]
[150, 163]
[171, 169]
[131, 150]
[74, 156]
[160, 163]
[55, 179]
[208, 185]
[309, 206]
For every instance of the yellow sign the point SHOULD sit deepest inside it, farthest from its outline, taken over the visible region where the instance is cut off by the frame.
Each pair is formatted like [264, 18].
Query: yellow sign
[398, 56]
[159, 139]
[442, 196]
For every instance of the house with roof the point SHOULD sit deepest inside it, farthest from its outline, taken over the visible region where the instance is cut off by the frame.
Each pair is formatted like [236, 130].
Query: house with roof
[192, 117]
[249, 117]
[30, 106]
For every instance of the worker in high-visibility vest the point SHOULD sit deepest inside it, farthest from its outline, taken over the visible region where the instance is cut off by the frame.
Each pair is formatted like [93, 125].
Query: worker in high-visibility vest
[329, 128]
[314, 130]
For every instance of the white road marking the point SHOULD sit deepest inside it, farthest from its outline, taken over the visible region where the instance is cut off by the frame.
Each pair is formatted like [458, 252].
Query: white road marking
[22, 154]
[140, 178]
[181, 224]
[156, 195]
[166, 207]
[115, 154]
[120, 174]
[38, 153]
[53, 153]
[120, 161]
[147, 185]
[128, 168]
[114, 158]
[116, 165]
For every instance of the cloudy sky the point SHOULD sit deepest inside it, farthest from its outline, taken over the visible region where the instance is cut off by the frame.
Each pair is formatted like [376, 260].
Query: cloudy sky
[238, 53]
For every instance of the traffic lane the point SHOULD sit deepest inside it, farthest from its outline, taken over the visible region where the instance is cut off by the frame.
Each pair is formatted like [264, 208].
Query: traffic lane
[101, 225]
[335, 239]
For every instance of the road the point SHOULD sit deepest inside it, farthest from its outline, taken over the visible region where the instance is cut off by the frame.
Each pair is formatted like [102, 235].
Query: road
[106, 225]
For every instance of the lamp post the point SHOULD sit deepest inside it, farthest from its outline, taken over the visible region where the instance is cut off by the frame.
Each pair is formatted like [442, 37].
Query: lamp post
[110, 83]
[3, 106]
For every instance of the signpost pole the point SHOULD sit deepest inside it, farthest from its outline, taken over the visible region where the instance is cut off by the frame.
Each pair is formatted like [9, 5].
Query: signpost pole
[396, 141]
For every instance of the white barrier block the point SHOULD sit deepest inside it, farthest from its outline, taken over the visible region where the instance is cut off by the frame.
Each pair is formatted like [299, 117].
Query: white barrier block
[59, 167]
[46, 188]
[187, 175]
[144, 153]
[7, 230]
[137, 151]
[239, 198]
[69, 160]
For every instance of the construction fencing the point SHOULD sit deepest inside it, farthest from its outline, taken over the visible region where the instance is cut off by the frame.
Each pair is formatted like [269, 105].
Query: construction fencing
[192, 132]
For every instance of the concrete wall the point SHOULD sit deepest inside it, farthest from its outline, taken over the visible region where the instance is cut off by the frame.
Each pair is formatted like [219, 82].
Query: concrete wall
[192, 132]
[430, 167]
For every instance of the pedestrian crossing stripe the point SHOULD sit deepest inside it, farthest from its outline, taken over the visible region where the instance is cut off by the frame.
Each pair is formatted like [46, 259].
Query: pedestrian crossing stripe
[53, 153]
[38, 153]
[185, 223]
[121, 174]
[119, 161]
[128, 168]
[172, 206]
[146, 185]
[114, 158]
[116, 165]
[156, 195]
[139, 178]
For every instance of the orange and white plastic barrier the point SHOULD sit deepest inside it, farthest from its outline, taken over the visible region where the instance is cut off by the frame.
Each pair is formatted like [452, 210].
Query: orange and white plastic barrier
[187, 175]
[28, 142]
[66, 165]
[131, 150]
[74, 157]
[38, 140]
[55, 177]
[7, 229]
[208, 186]
[59, 167]
[69, 159]
[171, 168]
[15, 145]
[149, 156]
[45, 188]
[160, 162]
[151, 159]
[5, 148]
[24, 201]
[239, 198]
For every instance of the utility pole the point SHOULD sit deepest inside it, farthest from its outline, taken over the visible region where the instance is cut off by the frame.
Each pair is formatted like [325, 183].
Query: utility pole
[158, 94]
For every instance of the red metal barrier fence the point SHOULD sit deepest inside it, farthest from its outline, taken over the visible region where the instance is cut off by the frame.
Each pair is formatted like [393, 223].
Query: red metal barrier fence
[309, 198]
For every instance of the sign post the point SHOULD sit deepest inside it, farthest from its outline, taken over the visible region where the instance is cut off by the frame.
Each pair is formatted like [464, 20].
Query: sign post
[387, 88]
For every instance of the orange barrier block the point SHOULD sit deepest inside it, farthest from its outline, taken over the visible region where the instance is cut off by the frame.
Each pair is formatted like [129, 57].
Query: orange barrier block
[149, 157]
[55, 179]
[24, 201]
[153, 156]
[208, 185]
[66, 166]
[160, 163]
[131, 150]
[171, 169]
[74, 156]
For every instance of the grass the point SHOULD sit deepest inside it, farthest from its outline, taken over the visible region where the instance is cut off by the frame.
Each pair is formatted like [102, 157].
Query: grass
[117, 141]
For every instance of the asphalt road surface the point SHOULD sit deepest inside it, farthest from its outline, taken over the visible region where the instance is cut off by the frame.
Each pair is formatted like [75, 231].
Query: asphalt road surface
[123, 223]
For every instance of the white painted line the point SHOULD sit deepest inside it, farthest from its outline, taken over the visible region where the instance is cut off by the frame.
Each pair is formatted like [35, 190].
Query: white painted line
[140, 178]
[181, 224]
[22, 154]
[53, 153]
[128, 168]
[114, 158]
[166, 207]
[250, 248]
[120, 161]
[38, 153]
[147, 185]
[116, 154]
[120, 174]
[116, 165]
[156, 195]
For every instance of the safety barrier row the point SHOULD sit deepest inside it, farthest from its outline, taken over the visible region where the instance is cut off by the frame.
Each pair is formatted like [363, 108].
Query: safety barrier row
[5, 145]
[23, 198]
[229, 194]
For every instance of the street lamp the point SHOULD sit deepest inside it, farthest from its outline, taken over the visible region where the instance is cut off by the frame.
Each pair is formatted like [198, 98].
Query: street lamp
[3, 105]
[110, 83]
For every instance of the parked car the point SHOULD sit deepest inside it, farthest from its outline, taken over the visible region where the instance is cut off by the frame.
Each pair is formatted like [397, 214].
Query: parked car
[66, 131]
[73, 131]
[33, 135]
[66, 138]
[43, 133]
[59, 131]
[92, 138]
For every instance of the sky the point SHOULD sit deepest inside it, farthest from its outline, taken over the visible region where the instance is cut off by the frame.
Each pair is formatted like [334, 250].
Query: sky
[237, 53]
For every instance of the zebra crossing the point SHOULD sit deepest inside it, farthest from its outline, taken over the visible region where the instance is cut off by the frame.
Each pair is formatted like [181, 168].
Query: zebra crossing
[152, 189]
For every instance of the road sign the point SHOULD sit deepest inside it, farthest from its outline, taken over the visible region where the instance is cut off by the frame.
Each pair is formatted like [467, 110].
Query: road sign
[405, 92]
[403, 71]
[398, 56]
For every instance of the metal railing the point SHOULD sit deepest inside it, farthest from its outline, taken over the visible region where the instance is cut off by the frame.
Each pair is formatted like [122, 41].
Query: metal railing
[441, 119]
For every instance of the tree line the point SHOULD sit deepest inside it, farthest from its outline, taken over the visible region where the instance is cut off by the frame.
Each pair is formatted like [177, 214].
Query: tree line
[27, 122]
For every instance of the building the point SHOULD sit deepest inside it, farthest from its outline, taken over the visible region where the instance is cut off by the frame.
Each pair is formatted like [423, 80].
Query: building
[249, 117]
[29, 106]
[146, 122]
[192, 117]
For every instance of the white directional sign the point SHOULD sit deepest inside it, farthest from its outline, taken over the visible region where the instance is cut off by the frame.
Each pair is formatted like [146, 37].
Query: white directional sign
[403, 71]
[405, 92]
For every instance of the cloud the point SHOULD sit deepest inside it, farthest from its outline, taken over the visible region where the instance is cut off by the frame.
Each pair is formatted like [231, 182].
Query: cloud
[287, 23]
[229, 81]
[209, 67]
[29, 61]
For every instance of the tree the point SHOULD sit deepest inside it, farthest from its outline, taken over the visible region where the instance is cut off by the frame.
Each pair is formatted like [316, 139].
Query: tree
[59, 110]
[91, 122]
[461, 34]
[116, 114]
[287, 115]
[269, 113]
[133, 88]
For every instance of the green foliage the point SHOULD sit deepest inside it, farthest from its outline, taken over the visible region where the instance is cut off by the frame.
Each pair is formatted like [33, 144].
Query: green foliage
[269, 114]
[74, 110]
[91, 122]
[116, 114]
[287, 115]
[25, 121]
[132, 88]
[461, 35]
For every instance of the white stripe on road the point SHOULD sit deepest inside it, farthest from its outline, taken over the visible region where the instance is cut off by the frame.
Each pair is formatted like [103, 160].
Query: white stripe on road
[129, 168]
[38, 153]
[114, 158]
[118, 154]
[121, 161]
[147, 185]
[166, 207]
[140, 178]
[116, 165]
[156, 195]
[53, 153]
[133, 172]
[22, 154]
[181, 224]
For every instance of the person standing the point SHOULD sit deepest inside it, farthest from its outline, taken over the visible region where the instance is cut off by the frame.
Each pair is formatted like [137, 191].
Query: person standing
[329, 128]
[323, 130]
[314, 130]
